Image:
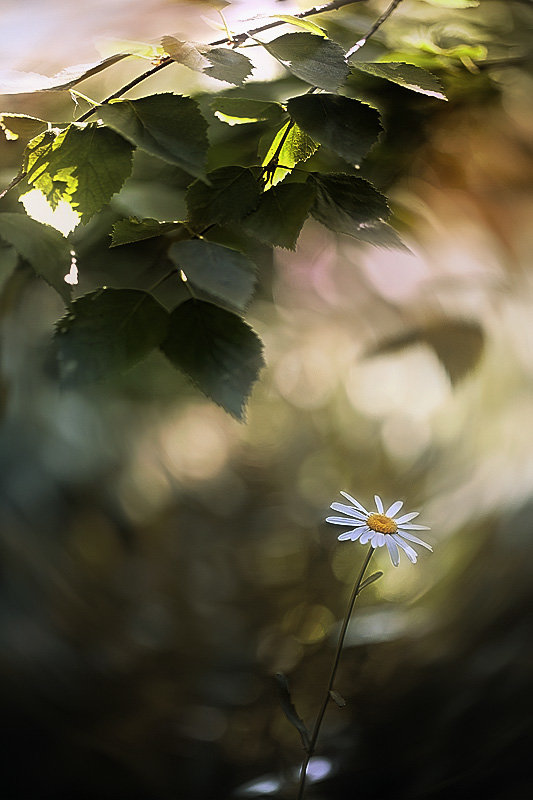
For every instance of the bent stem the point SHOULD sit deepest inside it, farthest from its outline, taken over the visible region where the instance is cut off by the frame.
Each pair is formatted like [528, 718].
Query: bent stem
[327, 694]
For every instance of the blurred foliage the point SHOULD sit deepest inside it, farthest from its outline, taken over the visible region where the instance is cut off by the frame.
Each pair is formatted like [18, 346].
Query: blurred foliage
[161, 562]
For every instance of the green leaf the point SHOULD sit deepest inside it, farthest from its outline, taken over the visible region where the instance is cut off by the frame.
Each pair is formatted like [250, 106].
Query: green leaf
[240, 110]
[219, 352]
[85, 165]
[407, 75]
[289, 709]
[346, 126]
[127, 231]
[458, 344]
[454, 3]
[371, 579]
[106, 332]
[8, 261]
[347, 204]
[217, 62]
[220, 271]
[14, 82]
[228, 65]
[306, 24]
[337, 698]
[232, 193]
[165, 125]
[313, 59]
[290, 146]
[15, 125]
[281, 214]
[44, 248]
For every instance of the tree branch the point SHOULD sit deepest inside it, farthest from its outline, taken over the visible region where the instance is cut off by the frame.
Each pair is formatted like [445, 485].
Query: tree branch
[375, 27]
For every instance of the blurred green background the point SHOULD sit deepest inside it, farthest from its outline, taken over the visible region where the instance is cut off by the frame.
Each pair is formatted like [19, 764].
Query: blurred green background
[160, 562]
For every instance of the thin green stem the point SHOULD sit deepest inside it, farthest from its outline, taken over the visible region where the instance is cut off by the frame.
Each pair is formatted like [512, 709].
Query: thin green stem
[336, 660]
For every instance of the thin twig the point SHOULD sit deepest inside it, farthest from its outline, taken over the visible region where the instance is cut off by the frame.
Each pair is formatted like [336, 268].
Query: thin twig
[327, 695]
[16, 180]
[375, 27]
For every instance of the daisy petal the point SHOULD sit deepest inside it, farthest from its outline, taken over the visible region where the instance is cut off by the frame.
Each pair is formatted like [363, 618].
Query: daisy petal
[345, 521]
[414, 527]
[356, 503]
[366, 536]
[412, 555]
[394, 508]
[348, 510]
[393, 550]
[349, 535]
[378, 540]
[407, 517]
[379, 504]
[414, 539]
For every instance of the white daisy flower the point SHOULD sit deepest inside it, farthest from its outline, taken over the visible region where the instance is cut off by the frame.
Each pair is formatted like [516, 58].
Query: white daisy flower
[380, 527]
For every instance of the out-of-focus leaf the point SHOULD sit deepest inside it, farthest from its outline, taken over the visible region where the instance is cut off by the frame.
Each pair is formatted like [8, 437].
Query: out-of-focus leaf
[453, 3]
[21, 125]
[223, 273]
[85, 165]
[221, 63]
[44, 248]
[281, 213]
[165, 125]
[346, 126]
[15, 82]
[106, 332]
[239, 111]
[290, 146]
[219, 352]
[337, 698]
[406, 75]
[8, 261]
[231, 194]
[348, 204]
[458, 344]
[289, 709]
[306, 24]
[311, 58]
[127, 231]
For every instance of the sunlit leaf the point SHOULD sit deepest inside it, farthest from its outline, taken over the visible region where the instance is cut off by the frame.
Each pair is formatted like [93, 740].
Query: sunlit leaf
[221, 63]
[219, 352]
[127, 231]
[165, 125]
[346, 126]
[407, 75]
[85, 165]
[239, 111]
[311, 58]
[106, 332]
[281, 213]
[44, 248]
[290, 146]
[15, 82]
[220, 271]
[21, 125]
[306, 24]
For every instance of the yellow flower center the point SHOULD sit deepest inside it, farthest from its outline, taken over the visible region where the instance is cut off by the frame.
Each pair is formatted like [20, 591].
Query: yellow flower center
[381, 523]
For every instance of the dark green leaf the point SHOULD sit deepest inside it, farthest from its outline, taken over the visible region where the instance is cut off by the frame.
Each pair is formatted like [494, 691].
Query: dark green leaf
[240, 110]
[346, 126]
[15, 82]
[15, 125]
[231, 194]
[44, 248]
[8, 261]
[337, 698]
[289, 709]
[458, 344]
[290, 146]
[106, 332]
[166, 125]
[127, 231]
[371, 578]
[311, 58]
[281, 213]
[407, 75]
[347, 204]
[217, 62]
[85, 165]
[220, 271]
[217, 350]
